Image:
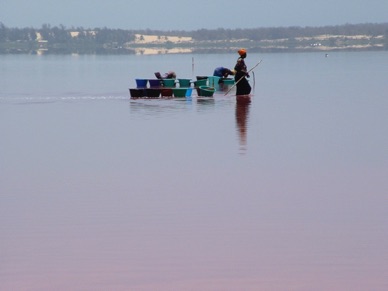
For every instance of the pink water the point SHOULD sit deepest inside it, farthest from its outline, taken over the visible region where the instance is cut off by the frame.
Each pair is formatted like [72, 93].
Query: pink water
[98, 192]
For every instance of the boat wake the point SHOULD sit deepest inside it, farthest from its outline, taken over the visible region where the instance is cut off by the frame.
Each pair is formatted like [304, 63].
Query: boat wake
[54, 99]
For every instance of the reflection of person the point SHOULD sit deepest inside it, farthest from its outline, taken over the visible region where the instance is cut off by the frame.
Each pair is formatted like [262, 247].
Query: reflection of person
[168, 75]
[242, 112]
[222, 72]
[242, 84]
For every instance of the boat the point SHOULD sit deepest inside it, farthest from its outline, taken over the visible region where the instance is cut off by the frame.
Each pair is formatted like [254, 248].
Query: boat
[156, 88]
[141, 83]
[169, 83]
[179, 92]
[136, 93]
[155, 83]
[184, 83]
[227, 81]
[166, 92]
[152, 92]
[206, 91]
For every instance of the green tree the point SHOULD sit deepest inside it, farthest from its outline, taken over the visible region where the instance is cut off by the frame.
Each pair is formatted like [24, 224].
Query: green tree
[3, 32]
[60, 34]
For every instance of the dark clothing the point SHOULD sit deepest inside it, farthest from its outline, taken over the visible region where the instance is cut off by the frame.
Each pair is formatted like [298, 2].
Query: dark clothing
[242, 84]
[240, 65]
[222, 72]
[243, 87]
[168, 75]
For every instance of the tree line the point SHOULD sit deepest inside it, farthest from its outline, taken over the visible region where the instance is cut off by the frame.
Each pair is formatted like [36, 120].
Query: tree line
[79, 39]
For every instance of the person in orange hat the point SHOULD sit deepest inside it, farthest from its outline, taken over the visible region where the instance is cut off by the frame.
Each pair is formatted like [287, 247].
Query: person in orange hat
[242, 84]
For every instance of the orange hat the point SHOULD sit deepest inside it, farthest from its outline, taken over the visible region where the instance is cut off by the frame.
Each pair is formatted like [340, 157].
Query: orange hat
[242, 51]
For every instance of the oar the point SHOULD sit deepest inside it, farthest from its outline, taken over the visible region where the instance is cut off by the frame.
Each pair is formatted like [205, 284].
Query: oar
[230, 89]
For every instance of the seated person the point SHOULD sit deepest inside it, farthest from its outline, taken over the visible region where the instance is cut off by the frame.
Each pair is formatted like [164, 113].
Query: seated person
[222, 72]
[168, 75]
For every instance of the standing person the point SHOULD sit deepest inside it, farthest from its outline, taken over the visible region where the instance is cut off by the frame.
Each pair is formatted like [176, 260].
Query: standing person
[242, 84]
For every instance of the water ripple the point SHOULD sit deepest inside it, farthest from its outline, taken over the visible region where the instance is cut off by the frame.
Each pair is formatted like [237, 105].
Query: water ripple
[53, 99]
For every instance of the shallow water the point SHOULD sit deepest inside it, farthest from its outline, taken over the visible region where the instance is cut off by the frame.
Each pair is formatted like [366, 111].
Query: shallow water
[288, 192]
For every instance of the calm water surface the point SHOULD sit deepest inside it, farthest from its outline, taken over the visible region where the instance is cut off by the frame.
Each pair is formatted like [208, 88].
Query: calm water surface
[100, 192]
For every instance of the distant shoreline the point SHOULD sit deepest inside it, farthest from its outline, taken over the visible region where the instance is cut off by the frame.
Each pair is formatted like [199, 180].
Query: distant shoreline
[60, 40]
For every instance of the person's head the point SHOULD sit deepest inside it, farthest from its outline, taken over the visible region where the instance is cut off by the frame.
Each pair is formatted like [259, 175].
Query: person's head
[228, 72]
[242, 52]
[171, 75]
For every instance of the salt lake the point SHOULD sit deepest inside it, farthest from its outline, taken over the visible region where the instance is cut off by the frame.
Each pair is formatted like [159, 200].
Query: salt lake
[101, 192]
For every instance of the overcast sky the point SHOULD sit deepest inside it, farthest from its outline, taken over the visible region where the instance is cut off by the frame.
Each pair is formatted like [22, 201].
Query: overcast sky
[190, 15]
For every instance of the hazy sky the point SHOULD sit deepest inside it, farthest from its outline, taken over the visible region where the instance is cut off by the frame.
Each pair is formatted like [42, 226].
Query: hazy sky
[190, 15]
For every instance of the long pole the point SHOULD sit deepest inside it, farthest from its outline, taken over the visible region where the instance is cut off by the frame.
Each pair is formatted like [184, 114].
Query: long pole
[192, 67]
[230, 89]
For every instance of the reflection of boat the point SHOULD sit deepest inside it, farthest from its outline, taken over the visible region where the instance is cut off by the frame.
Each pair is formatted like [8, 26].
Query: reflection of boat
[204, 104]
